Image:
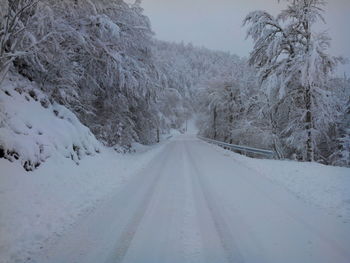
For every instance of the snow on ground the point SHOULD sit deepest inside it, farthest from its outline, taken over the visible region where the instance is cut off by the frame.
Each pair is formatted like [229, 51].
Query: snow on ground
[195, 204]
[37, 206]
[191, 126]
[323, 186]
[32, 129]
[75, 171]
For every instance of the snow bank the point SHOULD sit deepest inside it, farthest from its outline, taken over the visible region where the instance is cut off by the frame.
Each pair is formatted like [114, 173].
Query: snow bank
[38, 207]
[326, 187]
[32, 129]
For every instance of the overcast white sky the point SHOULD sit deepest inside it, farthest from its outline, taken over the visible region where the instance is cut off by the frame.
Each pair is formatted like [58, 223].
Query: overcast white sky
[216, 24]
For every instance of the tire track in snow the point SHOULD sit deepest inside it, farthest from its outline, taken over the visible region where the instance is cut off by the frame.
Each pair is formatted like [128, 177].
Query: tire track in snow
[130, 229]
[227, 240]
[192, 247]
[287, 210]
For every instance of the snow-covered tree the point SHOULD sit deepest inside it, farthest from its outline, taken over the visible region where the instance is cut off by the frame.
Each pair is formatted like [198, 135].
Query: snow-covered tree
[191, 76]
[339, 148]
[14, 16]
[97, 61]
[294, 65]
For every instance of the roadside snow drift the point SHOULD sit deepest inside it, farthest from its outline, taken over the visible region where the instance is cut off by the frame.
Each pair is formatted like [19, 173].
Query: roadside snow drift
[326, 187]
[38, 207]
[32, 129]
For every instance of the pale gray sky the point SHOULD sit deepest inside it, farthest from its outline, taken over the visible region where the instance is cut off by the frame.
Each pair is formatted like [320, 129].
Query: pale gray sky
[216, 24]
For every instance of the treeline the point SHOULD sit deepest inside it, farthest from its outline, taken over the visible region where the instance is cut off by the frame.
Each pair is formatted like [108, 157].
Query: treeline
[94, 57]
[188, 71]
[99, 58]
[295, 105]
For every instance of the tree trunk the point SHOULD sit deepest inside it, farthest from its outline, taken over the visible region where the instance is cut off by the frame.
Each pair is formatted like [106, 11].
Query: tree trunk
[215, 128]
[308, 126]
[231, 118]
[275, 137]
[308, 102]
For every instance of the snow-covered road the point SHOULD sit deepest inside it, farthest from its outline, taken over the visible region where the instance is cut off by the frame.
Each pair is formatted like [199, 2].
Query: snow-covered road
[195, 204]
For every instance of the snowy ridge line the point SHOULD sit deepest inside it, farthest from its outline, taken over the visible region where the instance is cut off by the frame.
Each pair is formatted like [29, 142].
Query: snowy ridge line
[239, 147]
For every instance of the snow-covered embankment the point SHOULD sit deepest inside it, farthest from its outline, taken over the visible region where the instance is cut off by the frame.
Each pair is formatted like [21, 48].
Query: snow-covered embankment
[70, 172]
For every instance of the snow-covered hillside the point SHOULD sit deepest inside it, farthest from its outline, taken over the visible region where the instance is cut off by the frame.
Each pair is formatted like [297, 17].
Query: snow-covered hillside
[32, 129]
[69, 170]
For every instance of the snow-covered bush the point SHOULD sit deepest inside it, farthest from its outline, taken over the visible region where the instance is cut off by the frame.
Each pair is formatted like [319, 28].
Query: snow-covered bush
[32, 129]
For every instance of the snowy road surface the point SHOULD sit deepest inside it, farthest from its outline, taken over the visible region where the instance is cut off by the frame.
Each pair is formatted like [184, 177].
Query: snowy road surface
[195, 204]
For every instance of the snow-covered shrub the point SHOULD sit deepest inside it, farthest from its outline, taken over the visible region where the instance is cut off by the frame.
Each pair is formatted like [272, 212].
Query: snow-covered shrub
[32, 128]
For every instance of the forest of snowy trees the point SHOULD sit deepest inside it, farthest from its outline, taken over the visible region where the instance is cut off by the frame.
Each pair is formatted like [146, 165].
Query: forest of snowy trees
[100, 59]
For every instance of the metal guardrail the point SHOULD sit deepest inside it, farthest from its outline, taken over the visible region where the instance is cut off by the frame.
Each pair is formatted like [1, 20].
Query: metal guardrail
[240, 148]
